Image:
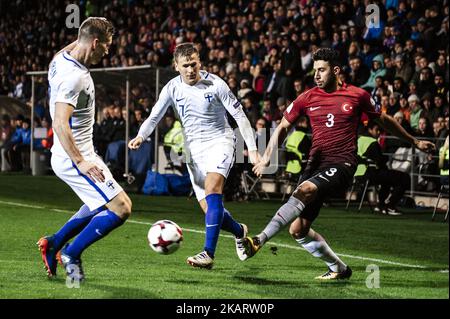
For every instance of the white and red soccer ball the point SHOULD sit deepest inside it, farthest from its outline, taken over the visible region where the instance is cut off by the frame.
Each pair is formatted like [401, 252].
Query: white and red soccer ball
[165, 237]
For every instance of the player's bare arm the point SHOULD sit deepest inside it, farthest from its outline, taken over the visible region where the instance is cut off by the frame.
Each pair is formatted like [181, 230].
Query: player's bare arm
[277, 137]
[63, 112]
[392, 126]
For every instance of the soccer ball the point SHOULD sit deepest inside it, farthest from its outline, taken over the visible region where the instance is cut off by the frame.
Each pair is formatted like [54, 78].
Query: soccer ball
[165, 237]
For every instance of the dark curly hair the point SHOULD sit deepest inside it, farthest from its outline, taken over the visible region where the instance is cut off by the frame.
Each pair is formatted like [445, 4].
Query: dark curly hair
[329, 55]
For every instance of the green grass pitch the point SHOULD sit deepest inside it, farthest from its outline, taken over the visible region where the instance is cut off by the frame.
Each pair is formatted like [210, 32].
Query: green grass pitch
[410, 251]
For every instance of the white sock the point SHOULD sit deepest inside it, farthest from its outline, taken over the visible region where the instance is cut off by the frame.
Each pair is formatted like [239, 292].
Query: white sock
[318, 247]
[285, 214]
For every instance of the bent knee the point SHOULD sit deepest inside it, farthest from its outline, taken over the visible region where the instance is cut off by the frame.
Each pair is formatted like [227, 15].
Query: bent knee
[299, 229]
[124, 207]
[306, 192]
[297, 233]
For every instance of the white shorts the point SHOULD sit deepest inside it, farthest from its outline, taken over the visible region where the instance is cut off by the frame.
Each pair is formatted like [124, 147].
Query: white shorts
[93, 194]
[213, 157]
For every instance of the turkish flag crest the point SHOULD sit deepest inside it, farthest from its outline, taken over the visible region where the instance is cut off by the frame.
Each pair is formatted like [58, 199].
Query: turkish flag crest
[346, 108]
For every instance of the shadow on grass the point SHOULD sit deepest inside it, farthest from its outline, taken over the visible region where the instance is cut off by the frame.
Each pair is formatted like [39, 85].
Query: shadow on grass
[87, 290]
[268, 282]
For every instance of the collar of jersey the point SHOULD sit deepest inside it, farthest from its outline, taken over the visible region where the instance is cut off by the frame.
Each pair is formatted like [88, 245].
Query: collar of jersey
[68, 57]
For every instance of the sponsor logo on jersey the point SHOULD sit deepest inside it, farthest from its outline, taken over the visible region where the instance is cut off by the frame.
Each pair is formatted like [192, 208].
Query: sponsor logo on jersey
[289, 108]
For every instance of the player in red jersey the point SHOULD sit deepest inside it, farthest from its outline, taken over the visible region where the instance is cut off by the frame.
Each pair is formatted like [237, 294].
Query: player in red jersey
[334, 110]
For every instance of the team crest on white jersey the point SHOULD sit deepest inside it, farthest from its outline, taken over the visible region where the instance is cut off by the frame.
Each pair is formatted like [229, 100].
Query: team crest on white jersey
[208, 96]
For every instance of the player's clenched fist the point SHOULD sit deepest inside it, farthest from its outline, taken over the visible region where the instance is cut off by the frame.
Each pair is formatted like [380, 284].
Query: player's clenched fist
[135, 143]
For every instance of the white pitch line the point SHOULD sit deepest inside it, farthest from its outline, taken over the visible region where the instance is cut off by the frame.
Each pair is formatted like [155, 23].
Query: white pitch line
[382, 261]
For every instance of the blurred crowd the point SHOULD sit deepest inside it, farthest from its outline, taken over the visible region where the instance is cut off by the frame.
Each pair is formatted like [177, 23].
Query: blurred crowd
[263, 49]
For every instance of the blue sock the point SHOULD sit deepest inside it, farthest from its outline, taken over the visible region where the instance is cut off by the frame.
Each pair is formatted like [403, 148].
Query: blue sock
[213, 221]
[98, 228]
[73, 226]
[230, 225]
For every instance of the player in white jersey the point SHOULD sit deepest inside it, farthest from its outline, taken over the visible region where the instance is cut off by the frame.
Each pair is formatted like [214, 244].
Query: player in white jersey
[72, 107]
[201, 100]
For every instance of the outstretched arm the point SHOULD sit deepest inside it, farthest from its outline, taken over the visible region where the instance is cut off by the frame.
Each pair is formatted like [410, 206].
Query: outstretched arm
[149, 125]
[392, 126]
[233, 107]
[278, 136]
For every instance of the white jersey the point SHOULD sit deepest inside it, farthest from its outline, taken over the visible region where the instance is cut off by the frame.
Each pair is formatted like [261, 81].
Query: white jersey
[70, 82]
[202, 110]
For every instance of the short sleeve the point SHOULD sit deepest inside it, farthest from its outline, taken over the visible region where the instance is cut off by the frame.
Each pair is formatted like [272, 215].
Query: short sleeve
[296, 109]
[69, 91]
[369, 106]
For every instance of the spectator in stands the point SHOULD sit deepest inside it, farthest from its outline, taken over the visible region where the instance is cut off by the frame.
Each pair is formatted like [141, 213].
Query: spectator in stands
[19, 153]
[245, 89]
[378, 173]
[267, 111]
[392, 144]
[6, 131]
[402, 70]
[399, 86]
[427, 105]
[281, 107]
[136, 121]
[393, 104]
[441, 67]
[439, 84]
[290, 66]
[258, 80]
[250, 109]
[424, 130]
[444, 162]
[12, 157]
[173, 147]
[377, 70]
[118, 125]
[415, 111]
[102, 135]
[444, 130]
[47, 142]
[425, 83]
[299, 87]
[297, 146]
[359, 73]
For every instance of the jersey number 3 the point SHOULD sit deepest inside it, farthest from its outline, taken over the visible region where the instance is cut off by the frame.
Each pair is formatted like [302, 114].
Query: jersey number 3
[330, 120]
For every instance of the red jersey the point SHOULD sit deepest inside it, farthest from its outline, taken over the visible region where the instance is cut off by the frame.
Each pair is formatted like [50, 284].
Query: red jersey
[334, 120]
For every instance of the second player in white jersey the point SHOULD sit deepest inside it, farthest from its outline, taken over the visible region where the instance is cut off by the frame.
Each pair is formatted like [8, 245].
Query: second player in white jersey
[72, 107]
[202, 110]
[70, 82]
[202, 100]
